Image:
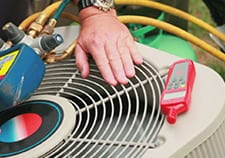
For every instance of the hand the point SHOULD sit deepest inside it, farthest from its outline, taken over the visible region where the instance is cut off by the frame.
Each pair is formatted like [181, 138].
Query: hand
[110, 44]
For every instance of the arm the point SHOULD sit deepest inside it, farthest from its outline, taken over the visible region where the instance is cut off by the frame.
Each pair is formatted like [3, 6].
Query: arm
[110, 44]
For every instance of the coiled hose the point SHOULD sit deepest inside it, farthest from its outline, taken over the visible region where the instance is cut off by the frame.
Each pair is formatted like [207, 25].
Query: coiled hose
[148, 21]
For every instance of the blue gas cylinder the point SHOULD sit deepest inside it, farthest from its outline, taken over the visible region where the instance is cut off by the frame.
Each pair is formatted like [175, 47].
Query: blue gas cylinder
[21, 72]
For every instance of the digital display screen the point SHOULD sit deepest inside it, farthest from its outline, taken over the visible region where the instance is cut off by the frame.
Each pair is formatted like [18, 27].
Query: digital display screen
[174, 95]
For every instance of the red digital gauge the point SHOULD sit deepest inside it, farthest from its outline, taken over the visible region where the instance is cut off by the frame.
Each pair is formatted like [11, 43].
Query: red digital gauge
[176, 96]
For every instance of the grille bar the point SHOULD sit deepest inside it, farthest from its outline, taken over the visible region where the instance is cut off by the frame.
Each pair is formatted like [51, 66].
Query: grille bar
[121, 121]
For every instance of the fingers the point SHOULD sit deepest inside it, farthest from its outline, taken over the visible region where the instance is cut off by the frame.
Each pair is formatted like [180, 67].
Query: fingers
[114, 59]
[115, 62]
[135, 54]
[126, 59]
[103, 63]
[82, 61]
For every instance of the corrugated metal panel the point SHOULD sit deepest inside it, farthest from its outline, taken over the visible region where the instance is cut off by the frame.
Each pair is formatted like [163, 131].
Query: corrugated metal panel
[213, 147]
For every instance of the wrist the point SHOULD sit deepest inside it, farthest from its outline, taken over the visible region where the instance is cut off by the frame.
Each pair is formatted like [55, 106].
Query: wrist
[92, 11]
[104, 5]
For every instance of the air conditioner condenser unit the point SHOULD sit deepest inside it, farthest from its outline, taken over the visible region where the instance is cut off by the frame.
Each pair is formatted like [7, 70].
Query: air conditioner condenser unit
[84, 118]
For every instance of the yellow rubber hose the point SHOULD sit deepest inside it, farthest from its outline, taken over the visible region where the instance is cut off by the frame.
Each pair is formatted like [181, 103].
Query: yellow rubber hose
[26, 22]
[174, 11]
[48, 11]
[149, 21]
[174, 30]
[166, 27]
[51, 58]
[35, 27]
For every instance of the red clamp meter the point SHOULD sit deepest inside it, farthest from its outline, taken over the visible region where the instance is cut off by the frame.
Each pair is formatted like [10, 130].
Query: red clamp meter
[176, 96]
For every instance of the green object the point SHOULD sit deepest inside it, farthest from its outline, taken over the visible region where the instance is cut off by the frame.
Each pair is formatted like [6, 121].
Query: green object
[162, 41]
[60, 9]
[156, 38]
[172, 44]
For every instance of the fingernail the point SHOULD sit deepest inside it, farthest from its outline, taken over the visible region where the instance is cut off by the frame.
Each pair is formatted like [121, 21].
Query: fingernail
[130, 72]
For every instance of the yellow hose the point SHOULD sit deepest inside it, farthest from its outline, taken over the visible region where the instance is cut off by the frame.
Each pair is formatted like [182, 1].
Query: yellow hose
[174, 11]
[148, 21]
[174, 30]
[167, 27]
[26, 22]
[35, 22]
[48, 11]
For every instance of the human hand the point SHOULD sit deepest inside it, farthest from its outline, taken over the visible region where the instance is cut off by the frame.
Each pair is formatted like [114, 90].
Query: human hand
[110, 44]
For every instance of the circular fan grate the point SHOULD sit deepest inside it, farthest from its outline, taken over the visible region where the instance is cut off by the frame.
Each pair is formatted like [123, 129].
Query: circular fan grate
[121, 121]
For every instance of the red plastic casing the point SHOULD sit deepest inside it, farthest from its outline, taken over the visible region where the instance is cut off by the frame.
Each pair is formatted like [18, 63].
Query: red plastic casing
[172, 106]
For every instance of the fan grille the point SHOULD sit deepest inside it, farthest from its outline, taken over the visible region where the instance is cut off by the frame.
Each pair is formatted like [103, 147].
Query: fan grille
[121, 121]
